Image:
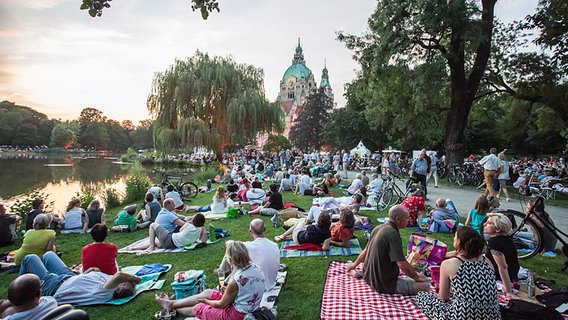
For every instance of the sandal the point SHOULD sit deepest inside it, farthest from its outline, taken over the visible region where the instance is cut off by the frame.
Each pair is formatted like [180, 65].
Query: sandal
[165, 314]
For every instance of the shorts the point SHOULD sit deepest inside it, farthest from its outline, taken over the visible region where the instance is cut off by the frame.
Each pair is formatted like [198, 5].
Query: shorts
[300, 226]
[405, 286]
[502, 183]
[268, 211]
[206, 312]
[164, 237]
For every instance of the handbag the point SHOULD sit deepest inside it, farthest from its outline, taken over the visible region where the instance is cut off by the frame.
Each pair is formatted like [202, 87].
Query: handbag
[425, 250]
[232, 212]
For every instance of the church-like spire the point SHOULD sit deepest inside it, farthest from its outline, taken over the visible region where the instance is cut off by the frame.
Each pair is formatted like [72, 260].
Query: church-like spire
[299, 54]
[324, 83]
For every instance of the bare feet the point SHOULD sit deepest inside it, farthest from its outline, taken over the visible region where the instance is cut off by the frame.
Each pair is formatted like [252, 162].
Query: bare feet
[279, 238]
[164, 300]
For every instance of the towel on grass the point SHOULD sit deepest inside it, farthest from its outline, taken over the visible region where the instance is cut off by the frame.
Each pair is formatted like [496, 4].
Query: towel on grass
[354, 248]
[149, 282]
[146, 242]
[345, 298]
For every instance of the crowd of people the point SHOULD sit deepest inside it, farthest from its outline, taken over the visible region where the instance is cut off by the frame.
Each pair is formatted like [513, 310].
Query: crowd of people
[469, 271]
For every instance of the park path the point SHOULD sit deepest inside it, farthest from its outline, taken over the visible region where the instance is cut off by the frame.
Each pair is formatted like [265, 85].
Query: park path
[464, 200]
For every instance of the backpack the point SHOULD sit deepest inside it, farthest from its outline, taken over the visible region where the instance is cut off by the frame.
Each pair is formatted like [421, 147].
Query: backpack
[523, 310]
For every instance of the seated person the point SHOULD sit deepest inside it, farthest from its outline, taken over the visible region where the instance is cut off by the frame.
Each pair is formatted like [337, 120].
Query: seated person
[95, 213]
[157, 192]
[89, 288]
[341, 231]
[254, 196]
[37, 241]
[226, 177]
[416, 206]
[126, 218]
[76, 219]
[192, 231]
[241, 294]
[272, 205]
[335, 180]
[526, 238]
[150, 212]
[256, 183]
[38, 206]
[219, 204]
[375, 185]
[25, 300]
[100, 254]
[303, 182]
[467, 283]
[232, 186]
[315, 234]
[8, 224]
[383, 258]
[174, 195]
[355, 184]
[169, 219]
[323, 187]
[444, 218]
[476, 216]
[501, 252]
[286, 183]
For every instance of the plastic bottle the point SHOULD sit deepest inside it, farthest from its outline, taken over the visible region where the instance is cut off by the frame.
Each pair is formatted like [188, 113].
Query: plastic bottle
[530, 285]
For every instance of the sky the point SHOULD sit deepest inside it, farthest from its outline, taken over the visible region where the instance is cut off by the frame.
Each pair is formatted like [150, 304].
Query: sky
[58, 60]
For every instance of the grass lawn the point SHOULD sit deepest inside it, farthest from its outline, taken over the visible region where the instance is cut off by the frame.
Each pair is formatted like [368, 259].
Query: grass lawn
[302, 292]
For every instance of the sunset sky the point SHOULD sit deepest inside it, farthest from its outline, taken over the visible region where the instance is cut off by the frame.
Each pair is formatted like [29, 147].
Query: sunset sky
[58, 60]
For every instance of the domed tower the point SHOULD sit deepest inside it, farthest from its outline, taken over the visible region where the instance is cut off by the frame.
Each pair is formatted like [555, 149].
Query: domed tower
[297, 83]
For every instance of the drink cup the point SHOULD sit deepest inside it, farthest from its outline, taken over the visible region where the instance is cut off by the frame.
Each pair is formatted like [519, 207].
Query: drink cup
[435, 274]
[221, 276]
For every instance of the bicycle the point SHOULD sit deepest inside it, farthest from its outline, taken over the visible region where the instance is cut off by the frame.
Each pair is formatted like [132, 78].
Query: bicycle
[392, 194]
[187, 189]
[528, 233]
[455, 174]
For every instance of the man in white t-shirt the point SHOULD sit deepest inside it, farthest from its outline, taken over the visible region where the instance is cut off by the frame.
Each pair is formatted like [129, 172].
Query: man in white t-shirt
[263, 252]
[25, 301]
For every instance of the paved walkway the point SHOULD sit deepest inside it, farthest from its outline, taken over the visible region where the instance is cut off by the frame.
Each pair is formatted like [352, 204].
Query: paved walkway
[464, 200]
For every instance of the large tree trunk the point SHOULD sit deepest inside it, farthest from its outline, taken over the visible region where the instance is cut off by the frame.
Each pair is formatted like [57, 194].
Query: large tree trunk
[464, 88]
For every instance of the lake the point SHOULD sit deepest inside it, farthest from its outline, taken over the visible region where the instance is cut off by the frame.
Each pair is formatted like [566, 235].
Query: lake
[59, 176]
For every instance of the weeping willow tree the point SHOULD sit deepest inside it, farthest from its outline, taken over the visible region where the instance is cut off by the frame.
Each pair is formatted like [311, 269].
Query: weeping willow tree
[211, 102]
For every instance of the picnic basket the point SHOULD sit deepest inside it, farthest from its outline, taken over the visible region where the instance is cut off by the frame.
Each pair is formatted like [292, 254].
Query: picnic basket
[190, 286]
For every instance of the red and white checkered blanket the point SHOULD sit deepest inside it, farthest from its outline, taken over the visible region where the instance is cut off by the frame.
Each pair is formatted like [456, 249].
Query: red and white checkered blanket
[345, 297]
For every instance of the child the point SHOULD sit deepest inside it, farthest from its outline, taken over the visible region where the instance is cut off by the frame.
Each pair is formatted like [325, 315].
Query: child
[476, 216]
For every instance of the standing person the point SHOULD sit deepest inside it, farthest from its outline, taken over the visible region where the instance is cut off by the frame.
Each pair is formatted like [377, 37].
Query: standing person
[503, 177]
[385, 166]
[419, 169]
[37, 241]
[8, 224]
[99, 254]
[95, 213]
[502, 252]
[491, 169]
[336, 162]
[392, 163]
[241, 295]
[76, 219]
[433, 169]
[345, 163]
[383, 259]
[467, 283]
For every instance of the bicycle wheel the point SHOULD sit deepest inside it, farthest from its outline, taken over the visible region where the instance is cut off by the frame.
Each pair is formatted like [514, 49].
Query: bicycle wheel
[385, 200]
[526, 234]
[460, 179]
[188, 190]
[452, 176]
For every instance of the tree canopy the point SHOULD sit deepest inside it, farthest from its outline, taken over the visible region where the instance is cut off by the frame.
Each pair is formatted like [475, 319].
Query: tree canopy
[95, 7]
[307, 131]
[210, 101]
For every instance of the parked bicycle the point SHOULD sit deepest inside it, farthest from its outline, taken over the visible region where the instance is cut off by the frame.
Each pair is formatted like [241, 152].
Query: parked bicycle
[529, 232]
[391, 193]
[187, 189]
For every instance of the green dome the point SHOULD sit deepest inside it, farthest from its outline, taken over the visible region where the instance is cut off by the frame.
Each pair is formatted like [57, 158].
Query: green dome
[297, 70]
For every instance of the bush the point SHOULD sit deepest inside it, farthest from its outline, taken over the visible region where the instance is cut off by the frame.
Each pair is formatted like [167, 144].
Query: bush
[85, 197]
[137, 184]
[130, 156]
[24, 205]
[112, 198]
[203, 174]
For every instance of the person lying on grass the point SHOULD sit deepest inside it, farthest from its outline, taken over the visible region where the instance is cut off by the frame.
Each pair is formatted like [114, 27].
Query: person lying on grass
[190, 232]
[302, 233]
[240, 294]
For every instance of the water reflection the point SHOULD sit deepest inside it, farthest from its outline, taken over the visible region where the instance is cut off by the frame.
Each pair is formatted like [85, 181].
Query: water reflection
[22, 173]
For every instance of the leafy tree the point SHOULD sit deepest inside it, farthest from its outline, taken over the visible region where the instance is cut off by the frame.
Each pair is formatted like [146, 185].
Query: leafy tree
[118, 136]
[212, 102]
[307, 132]
[26, 135]
[95, 7]
[276, 143]
[409, 32]
[141, 136]
[21, 125]
[62, 135]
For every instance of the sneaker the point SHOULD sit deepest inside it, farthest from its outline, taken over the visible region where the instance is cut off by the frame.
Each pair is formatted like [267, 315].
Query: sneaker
[550, 254]
[274, 220]
[508, 199]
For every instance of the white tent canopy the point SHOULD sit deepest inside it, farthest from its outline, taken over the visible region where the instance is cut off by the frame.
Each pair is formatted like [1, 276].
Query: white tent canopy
[360, 149]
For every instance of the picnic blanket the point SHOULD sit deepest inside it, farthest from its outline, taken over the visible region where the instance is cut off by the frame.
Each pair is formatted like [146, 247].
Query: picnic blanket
[214, 216]
[424, 222]
[331, 203]
[149, 282]
[146, 242]
[345, 298]
[354, 248]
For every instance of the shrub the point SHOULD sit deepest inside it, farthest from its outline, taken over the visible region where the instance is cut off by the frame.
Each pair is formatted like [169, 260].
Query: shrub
[111, 198]
[23, 205]
[205, 173]
[86, 196]
[130, 156]
[137, 184]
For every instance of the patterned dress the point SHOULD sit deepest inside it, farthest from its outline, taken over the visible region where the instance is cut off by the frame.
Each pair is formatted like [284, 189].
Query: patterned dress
[474, 295]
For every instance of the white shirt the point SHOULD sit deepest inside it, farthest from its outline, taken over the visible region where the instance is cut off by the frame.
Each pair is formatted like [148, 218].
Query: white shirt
[218, 206]
[46, 304]
[266, 255]
[187, 235]
[490, 162]
[176, 197]
[355, 185]
[84, 289]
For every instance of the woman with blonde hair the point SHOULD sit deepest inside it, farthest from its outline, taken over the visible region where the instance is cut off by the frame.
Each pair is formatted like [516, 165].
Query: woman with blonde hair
[219, 204]
[95, 213]
[38, 240]
[76, 219]
[501, 252]
[240, 294]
